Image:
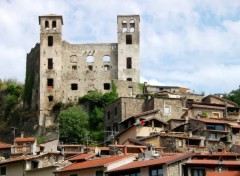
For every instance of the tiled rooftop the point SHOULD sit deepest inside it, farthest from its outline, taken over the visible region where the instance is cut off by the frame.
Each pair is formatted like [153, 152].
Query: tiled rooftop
[152, 162]
[94, 163]
[82, 157]
[4, 145]
[27, 139]
[223, 173]
[214, 162]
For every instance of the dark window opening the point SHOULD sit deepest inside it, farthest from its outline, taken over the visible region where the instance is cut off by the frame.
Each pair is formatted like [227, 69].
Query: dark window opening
[50, 63]
[129, 62]
[129, 79]
[50, 98]
[194, 142]
[128, 39]
[50, 40]
[74, 86]
[99, 173]
[215, 127]
[156, 171]
[50, 82]
[46, 25]
[34, 164]
[54, 24]
[74, 67]
[198, 172]
[90, 67]
[106, 86]
[3, 171]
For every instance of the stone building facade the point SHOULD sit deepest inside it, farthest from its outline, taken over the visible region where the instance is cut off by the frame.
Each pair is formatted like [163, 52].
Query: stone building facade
[58, 71]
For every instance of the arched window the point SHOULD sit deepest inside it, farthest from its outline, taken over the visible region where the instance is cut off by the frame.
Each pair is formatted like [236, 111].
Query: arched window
[106, 58]
[54, 24]
[90, 59]
[50, 40]
[132, 25]
[124, 25]
[46, 24]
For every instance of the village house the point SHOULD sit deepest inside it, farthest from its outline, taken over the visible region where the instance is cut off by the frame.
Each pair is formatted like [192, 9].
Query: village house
[96, 166]
[167, 166]
[30, 165]
[24, 145]
[5, 150]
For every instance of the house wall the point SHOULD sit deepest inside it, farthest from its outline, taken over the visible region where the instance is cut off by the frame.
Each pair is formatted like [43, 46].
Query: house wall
[15, 169]
[126, 107]
[198, 111]
[84, 172]
[154, 141]
[176, 106]
[212, 100]
[131, 132]
[41, 172]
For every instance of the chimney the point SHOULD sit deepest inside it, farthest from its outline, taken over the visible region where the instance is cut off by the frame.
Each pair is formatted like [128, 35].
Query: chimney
[22, 134]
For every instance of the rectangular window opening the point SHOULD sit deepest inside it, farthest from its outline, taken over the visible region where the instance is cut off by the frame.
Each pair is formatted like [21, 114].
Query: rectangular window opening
[129, 79]
[74, 67]
[106, 86]
[50, 83]
[50, 63]
[50, 40]
[129, 62]
[50, 98]
[128, 39]
[3, 171]
[99, 173]
[74, 86]
[90, 67]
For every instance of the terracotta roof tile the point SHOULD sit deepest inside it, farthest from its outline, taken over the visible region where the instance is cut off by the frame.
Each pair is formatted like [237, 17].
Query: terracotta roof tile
[94, 163]
[162, 160]
[4, 145]
[223, 173]
[214, 162]
[21, 158]
[27, 139]
[83, 157]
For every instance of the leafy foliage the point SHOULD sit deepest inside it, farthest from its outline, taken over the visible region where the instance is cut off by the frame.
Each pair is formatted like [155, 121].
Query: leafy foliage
[97, 102]
[73, 124]
[234, 96]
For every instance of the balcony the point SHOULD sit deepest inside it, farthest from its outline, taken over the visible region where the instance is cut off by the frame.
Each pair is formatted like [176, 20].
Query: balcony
[21, 149]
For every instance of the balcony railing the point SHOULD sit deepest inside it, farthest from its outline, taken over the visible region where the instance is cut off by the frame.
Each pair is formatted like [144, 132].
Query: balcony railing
[21, 149]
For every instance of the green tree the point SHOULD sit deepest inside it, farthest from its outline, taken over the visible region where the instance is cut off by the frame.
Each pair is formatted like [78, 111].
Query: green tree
[234, 96]
[73, 124]
[9, 102]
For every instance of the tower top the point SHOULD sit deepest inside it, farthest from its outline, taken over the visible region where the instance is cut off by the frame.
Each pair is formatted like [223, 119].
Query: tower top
[51, 16]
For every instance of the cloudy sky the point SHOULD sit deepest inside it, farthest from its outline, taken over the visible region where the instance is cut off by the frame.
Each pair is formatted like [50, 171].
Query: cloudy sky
[189, 43]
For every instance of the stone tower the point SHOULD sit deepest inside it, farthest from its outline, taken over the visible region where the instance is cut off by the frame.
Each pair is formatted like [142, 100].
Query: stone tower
[50, 64]
[128, 48]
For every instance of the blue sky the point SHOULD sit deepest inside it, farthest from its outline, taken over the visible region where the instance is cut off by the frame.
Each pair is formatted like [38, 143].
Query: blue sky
[189, 43]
